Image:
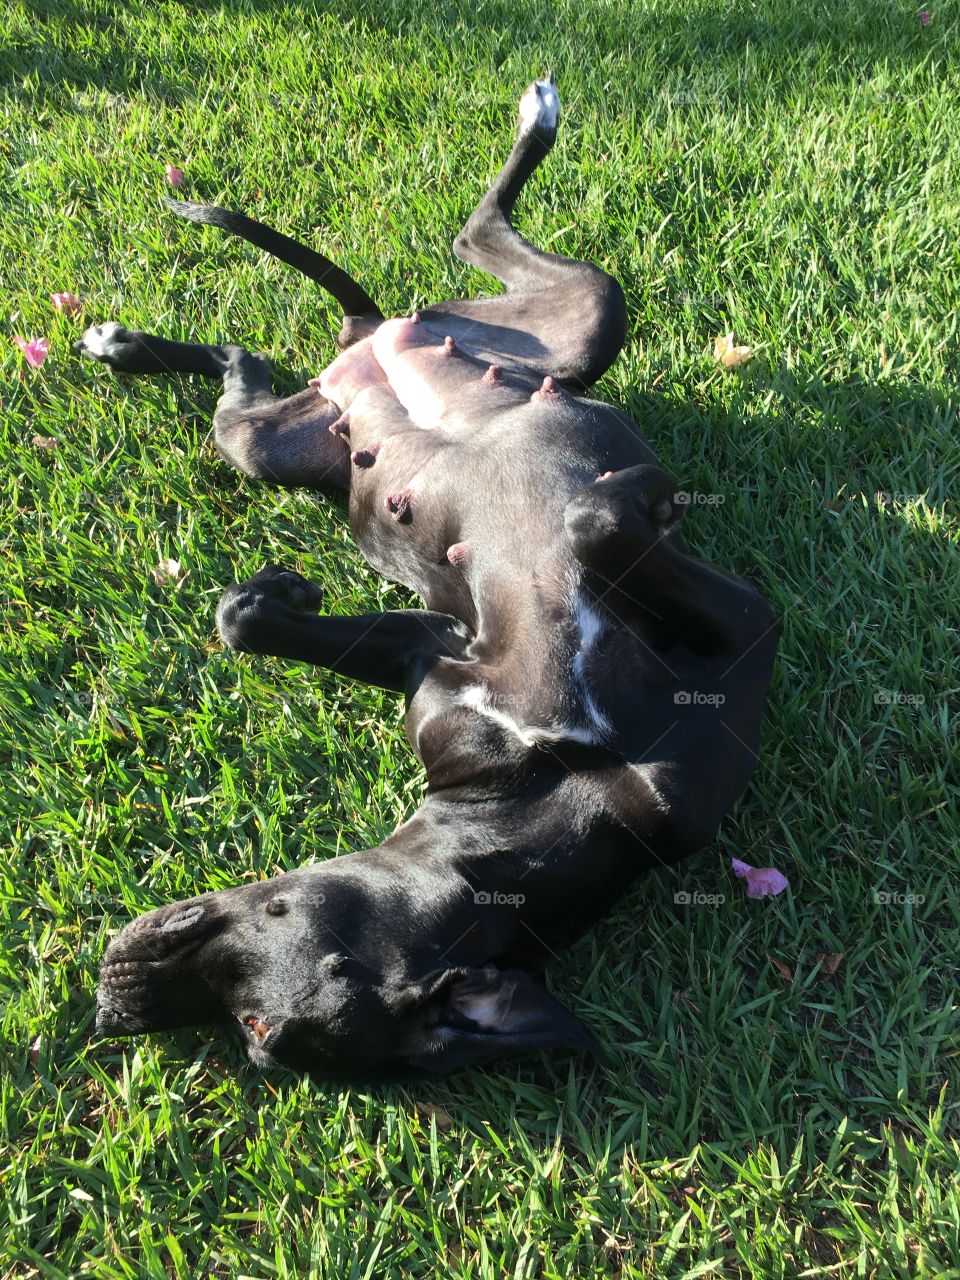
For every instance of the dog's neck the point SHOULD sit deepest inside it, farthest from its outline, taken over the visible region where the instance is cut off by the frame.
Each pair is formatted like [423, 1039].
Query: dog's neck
[510, 881]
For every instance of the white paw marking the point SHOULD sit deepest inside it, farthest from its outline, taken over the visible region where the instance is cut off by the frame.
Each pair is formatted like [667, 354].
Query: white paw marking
[539, 107]
[98, 339]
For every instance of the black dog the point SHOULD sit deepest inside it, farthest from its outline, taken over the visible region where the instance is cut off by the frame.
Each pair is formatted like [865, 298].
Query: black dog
[584, 695]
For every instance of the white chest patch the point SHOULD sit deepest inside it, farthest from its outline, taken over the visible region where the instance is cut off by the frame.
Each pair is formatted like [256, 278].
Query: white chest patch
[484, 702]
[495, 707]
[590, 627]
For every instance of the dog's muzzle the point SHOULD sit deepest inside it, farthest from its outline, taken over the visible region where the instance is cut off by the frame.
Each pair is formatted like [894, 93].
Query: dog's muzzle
[150, 978]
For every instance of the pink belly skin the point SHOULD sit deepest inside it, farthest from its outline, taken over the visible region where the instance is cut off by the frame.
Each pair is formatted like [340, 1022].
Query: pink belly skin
[351, 372]
[434, 380]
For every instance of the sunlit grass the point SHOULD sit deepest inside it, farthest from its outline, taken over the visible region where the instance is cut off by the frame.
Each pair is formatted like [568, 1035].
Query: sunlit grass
[785, 171]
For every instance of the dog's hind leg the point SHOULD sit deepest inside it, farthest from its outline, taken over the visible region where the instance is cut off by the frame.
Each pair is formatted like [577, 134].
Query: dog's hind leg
[286, 442]
[488, 240]
[130, 351]
[559, 315]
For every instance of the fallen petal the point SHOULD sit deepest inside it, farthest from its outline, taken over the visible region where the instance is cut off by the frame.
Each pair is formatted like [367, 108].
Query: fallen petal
[766, 882]
[762, 882]
[428, 1111]
[35, 350]
[174, 175]
[781, 966]
[44, 442]
[66, 302]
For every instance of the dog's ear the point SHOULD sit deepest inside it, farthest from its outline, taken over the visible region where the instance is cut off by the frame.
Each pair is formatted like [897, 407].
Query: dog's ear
[484, 1013]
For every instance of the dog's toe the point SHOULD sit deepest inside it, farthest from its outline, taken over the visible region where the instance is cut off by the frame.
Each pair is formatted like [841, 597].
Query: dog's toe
[287, 587]
[293, 589]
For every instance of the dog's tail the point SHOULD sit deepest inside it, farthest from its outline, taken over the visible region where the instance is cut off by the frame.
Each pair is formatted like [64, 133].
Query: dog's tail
[354, 300]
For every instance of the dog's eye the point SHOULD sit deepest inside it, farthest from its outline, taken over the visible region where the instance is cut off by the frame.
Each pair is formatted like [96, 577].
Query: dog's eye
[277, 907]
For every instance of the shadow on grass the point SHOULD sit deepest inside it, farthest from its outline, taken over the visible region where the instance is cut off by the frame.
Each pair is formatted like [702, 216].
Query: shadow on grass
[702, 54]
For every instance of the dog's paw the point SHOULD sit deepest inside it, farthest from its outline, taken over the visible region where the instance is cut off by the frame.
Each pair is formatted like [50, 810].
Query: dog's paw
[633, 508]
[109, 343]
[286, 586]
[249, 613]
[540, 107]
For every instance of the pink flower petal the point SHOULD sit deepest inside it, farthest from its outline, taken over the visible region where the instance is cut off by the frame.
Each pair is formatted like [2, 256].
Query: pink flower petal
[35, 350]
[925, 16]
[67, 302]
[762, 882]
[174, 175]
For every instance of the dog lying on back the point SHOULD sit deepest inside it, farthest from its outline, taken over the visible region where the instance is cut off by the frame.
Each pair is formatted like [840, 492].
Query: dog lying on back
[584, 695]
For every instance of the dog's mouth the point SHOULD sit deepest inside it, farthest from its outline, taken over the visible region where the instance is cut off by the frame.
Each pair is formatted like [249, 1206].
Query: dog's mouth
[255, 1027]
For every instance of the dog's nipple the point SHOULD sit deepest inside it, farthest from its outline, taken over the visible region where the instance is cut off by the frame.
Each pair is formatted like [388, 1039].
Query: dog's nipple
[458, 553]
[342, 425]
[493, 377]
[365, 457]
[547, 390]
[449, 346]
[398, 504]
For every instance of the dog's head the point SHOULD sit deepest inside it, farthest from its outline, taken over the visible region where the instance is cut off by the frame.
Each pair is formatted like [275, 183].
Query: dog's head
[317, 977]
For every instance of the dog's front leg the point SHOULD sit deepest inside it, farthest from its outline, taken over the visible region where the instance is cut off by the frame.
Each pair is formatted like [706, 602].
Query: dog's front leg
[624, 527]
[274, 613]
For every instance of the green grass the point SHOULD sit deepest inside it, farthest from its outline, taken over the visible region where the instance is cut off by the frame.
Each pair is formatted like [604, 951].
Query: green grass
[787, 170]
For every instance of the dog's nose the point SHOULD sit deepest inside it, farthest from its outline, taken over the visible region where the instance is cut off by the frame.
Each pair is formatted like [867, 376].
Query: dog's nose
[112, 1022]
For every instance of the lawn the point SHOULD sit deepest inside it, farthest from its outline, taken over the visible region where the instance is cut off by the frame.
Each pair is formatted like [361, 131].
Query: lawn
[788, 171]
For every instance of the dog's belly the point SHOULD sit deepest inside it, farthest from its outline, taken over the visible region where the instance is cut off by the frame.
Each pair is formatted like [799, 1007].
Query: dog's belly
[436, 381]
[460, 475]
